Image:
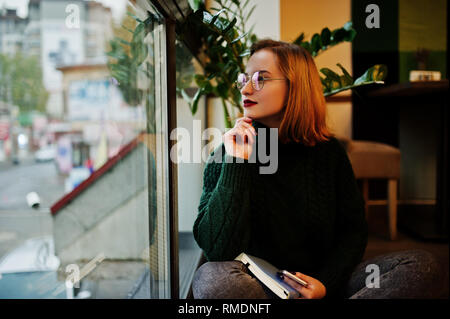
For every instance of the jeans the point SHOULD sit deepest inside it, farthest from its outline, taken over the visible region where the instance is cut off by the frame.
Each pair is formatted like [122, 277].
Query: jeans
[404, 274]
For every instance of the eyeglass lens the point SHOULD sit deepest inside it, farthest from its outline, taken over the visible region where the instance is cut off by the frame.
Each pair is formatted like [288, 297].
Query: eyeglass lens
[257, 81]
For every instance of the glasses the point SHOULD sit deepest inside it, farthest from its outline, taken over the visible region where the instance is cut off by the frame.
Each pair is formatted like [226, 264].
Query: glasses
[257, 80]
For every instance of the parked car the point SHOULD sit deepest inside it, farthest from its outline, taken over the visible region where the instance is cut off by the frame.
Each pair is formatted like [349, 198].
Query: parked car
[45, 154]
[30, 271]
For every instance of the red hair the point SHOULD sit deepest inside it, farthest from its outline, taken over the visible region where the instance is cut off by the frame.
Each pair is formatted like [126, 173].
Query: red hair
[304, 117]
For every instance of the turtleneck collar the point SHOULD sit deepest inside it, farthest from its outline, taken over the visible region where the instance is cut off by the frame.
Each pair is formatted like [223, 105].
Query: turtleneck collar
[257, 124]
[282, 147]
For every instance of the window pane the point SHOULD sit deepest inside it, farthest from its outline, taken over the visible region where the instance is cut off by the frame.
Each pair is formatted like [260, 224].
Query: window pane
[86, 142]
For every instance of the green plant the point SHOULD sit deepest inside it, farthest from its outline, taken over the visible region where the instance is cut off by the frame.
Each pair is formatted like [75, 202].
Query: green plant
[221, 45]
[332, 82]
[326, 39]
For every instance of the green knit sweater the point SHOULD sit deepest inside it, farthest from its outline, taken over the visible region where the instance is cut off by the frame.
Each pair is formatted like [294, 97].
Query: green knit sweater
[308, 216]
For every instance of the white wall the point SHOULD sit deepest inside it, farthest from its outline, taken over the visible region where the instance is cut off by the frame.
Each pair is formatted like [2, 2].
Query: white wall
[190, 175]
[266, 18]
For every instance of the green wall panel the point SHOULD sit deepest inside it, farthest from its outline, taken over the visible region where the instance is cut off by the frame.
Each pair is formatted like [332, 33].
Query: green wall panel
[422, 24]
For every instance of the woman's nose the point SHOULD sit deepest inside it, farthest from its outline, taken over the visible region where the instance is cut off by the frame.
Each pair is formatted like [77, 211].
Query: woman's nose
[247, 89]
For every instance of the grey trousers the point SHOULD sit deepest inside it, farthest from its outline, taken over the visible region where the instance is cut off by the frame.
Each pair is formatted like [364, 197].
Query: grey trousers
[405, 274]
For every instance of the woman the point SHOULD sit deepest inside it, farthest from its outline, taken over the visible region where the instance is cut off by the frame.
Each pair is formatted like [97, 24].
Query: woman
[308, 216]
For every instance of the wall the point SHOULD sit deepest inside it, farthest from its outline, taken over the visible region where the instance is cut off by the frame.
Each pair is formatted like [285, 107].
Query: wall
[190, 175]
[422, 24]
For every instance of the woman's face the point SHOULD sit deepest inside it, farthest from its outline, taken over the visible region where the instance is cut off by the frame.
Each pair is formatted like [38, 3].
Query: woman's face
[270, 101]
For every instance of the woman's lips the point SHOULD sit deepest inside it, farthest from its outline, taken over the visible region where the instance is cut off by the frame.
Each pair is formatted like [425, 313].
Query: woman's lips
[248, 103]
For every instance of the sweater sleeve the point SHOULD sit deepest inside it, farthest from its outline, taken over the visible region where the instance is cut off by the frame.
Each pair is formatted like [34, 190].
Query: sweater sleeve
[351, 230]
[222, 228]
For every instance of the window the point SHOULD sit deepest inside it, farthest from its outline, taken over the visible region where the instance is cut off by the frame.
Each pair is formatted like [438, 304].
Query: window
[88, 159]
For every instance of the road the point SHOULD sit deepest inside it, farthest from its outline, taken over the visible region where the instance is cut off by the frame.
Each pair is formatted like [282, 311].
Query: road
[16, 181]
[18, 222]
[18, 226]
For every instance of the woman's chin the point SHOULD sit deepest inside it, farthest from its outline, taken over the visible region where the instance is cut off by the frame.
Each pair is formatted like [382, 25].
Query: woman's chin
[250, 114]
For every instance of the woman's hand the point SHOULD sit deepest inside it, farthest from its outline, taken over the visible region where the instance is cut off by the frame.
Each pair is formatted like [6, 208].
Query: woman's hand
[314, 290]
[240, 139]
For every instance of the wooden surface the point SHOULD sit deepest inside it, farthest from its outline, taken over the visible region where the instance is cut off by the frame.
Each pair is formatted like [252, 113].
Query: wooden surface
[410, 89]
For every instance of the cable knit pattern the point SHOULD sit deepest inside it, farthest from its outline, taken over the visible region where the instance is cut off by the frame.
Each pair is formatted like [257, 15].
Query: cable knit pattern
[308, 216]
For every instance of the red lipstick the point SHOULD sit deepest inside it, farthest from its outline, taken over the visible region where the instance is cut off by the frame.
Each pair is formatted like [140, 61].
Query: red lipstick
[248, 103]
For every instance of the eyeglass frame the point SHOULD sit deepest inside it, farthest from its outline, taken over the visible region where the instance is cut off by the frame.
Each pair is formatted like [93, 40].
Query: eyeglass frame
[252, 80]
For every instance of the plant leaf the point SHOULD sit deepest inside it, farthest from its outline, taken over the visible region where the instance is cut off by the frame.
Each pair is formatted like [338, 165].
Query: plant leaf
[346, 79]
[330, 74]
[134, 17]
[325, 36]
[186, 97]
[215, 17]
[229, 26]
[348, 26]
[299, 39]
[239, 38]
[245, 53]
[307, 47]
[373, 75]
[195, 100]
[195, 4]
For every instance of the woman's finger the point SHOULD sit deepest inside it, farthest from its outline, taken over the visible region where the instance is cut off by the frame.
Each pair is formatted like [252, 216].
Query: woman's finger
[244, 119]
[303, 277]
[250, 136]
[239, 133]
[302, 290]
[247, 125]
[244, 135]
[248, 133]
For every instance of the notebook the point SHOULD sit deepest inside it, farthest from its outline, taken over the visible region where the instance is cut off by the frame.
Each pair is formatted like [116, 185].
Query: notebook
[267, 274]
